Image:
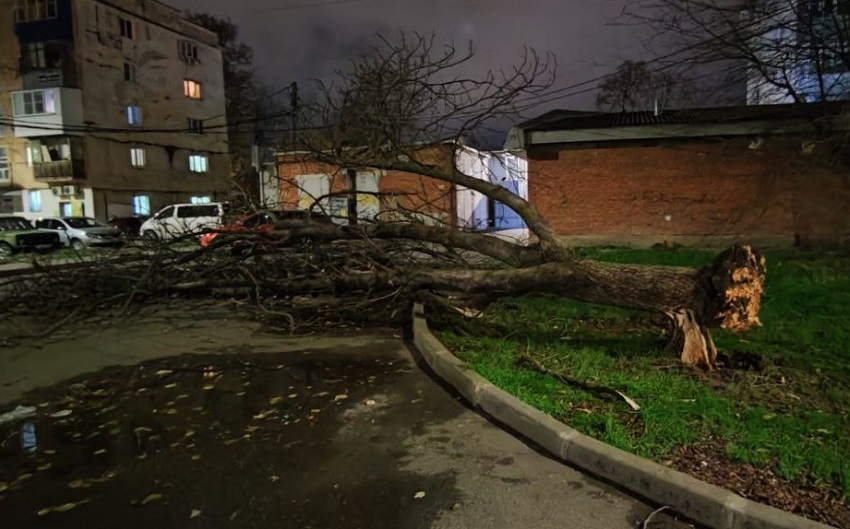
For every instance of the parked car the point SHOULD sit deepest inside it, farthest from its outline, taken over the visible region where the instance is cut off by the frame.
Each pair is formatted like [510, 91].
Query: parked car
[18, 235]
[183, 219]
[129, 226]
[261, 222]
[81, 232]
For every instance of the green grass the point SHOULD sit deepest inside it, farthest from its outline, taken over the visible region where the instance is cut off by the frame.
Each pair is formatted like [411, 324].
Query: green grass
[790, 415]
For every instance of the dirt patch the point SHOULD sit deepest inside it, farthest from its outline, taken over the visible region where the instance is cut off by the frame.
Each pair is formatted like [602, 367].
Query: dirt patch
[709, 463]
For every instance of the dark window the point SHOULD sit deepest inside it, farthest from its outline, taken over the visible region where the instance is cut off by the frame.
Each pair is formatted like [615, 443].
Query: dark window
[126, 27]
[195, 126]
[185, 212]
[166, 213]
[130, 72]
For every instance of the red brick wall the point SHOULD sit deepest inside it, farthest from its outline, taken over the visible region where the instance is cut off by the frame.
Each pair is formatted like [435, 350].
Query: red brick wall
[399, 191]
[714, 191]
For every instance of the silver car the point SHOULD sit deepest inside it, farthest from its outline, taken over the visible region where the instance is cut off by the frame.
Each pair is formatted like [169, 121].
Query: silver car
[81, 232]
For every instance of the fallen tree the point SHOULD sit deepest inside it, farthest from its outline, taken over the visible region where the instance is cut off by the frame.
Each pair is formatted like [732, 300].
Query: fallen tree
[384, 114]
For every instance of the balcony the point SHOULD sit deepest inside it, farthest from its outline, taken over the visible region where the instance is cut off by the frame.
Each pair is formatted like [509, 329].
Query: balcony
[60, 170]
[47, 65]
[57, 159]
[47, 112]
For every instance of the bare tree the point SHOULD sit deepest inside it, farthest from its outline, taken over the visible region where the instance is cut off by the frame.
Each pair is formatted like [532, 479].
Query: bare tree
[388, 112]
[635, 87]
[782, 50]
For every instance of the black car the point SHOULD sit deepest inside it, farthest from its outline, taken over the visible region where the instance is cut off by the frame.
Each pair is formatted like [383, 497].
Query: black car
[128, 225]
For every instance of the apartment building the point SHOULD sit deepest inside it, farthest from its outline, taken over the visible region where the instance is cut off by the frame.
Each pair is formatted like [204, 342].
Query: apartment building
[800, 50]
[108, 108]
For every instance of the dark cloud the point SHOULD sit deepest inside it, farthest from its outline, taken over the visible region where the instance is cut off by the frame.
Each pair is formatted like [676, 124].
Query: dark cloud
[296, 40]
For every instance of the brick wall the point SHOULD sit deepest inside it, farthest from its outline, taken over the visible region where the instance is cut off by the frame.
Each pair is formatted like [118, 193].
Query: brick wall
[705, 192]
[401, 194]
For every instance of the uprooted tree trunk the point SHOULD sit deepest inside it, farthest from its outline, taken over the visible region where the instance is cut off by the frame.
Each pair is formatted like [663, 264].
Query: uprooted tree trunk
[726, 294]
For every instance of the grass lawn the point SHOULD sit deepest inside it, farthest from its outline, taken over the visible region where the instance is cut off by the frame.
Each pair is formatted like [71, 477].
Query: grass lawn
[783, 404]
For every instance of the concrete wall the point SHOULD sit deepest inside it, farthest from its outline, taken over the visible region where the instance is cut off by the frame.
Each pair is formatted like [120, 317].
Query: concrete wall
[700, 192]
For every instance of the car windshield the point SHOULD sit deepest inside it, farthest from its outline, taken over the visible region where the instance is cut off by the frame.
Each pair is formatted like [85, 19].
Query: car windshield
[14, 223]
[83, 222]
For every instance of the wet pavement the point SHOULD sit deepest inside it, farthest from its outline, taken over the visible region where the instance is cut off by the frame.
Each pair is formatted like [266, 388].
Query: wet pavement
[348, 433]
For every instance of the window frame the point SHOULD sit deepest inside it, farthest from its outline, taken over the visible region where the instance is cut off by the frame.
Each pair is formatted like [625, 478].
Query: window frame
[127, 28]
[138, 157]
[142, 205]
[5, 164]
[47, 104]
[35, 206]
[133, 113]
[194, 126]
[129, 72]
[27, 10]
[199, 163]
[193, 89]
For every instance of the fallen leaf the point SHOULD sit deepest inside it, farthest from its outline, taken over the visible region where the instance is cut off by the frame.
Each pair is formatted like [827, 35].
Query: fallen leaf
[78, 484]
[196, 458]
[50, 452]
[274, 478]
[194, 514]
[370, 402]
[293, 395]
[163, 372]
[321, 394]
[100, 452]
[315, 410]
[61, 508]
[61, 413]
[340, 397]
[171, 411]
[275, 400]
[4, 486]
[419, 495]
[189, 433]
[23, 477]
[170, 386]
[151, 497]
[44, 466]
[208, 387]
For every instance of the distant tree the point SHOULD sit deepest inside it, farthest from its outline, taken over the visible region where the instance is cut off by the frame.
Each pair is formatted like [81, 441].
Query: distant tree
[781, 50]
[634, 87]
[253, 116]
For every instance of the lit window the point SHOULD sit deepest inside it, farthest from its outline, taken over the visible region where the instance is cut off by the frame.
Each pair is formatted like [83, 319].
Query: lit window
[195, 126]
[126, 27]
[5, 166]
[200, 200]
[134, 115]
[130, 72]
[198, 163]
[33, 10]
[191, 89]
[34, 102]
[35, 201]
[137, 157]
[141, 205]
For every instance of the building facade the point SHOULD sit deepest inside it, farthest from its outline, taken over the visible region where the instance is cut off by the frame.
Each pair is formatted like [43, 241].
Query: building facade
[108, 108]
[392, 196]
[771, 175]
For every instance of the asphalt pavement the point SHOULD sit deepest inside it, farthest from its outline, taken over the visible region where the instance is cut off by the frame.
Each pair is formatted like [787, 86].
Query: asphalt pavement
[226, 424]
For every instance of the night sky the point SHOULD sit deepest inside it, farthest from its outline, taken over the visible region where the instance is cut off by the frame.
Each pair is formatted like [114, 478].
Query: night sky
[297, 40]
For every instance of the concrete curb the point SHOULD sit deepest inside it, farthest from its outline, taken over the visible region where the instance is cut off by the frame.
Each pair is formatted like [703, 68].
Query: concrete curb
[707, 504]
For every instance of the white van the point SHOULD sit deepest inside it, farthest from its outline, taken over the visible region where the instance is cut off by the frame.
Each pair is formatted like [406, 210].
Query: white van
[183, 219]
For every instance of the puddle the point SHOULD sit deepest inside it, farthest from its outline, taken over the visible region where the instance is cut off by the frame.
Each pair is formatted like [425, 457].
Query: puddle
[213, 438]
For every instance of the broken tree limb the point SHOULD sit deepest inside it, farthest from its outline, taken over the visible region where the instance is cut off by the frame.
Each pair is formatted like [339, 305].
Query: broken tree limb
[569, 380]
